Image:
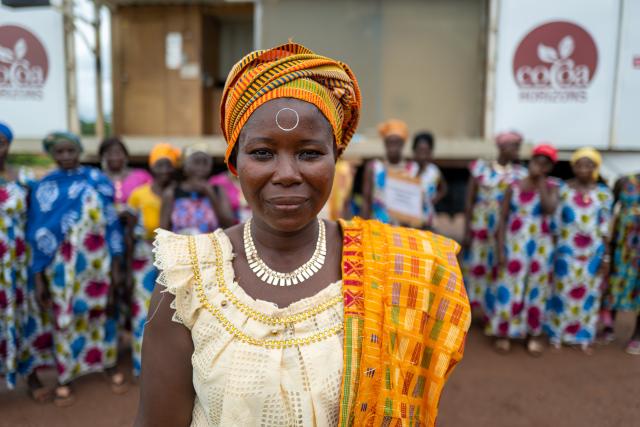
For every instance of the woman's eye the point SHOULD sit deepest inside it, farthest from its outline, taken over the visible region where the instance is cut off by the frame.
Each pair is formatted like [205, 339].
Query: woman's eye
[261, 154]
[310, 155]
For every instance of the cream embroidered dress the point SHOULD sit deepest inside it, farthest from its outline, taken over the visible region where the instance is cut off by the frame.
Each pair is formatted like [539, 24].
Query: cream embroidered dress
[254, 364]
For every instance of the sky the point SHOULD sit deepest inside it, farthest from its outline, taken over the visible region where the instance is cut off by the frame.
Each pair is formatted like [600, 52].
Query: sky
[85, 62]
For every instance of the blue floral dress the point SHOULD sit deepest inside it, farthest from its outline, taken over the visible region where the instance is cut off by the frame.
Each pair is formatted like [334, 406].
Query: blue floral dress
[74, 232]
[583, 223]
[479, 266]
[516, 302]
[379, 204]
[624, 284]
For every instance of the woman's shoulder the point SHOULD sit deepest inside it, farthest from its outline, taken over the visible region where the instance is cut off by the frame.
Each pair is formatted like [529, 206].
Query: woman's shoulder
[397, 240]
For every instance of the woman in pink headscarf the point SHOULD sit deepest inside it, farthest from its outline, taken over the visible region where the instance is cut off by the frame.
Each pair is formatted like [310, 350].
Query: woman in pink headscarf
[487, 184]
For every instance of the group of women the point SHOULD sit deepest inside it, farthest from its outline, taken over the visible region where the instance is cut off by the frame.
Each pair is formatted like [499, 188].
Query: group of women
[538, 251]
[76, 250]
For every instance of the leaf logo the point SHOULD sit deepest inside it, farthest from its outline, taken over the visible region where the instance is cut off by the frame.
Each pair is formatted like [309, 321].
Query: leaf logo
[24, 63]
[557, 55]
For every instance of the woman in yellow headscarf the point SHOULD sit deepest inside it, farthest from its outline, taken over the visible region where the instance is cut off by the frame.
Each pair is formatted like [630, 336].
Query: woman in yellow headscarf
[288, 319]
[584, 214]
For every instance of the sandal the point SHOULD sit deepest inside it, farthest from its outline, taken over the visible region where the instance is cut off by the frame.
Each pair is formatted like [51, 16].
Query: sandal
[607, 336]
[587, 349]
[534, 347]
[63, 396]
[118, 383]
[502, 345]
[40, 394]
[633, 348]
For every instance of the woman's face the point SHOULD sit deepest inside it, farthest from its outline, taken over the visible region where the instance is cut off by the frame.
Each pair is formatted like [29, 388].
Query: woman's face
[286, 175]
[4, 147]
[163, 171]
[66, 154]
[584, 169]
[540, 166]
[198, 165]
[510, 151]
[422, 152]
[115, 158]
[393, 145]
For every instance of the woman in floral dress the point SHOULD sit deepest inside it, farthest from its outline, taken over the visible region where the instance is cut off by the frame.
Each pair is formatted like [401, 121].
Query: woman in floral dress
[624, 284]
[516, 301]
[582, 253]
[487, 185]
[145, 202]
[24, 343]
[76, 240]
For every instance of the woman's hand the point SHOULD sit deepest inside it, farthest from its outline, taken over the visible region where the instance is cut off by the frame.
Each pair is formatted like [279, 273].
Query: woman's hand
[43, 296]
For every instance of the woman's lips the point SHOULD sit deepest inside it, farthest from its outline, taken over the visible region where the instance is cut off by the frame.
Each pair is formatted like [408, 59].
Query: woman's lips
[288, 203]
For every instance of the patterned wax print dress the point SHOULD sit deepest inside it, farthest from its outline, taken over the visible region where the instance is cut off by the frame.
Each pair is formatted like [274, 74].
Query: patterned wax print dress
[24, 342]
[583, 223]
[624, 285]
[192, 214]
[516, 301]
[479, 266]
[74, 233]
[429, 178]
[146, 204]
[379, 205]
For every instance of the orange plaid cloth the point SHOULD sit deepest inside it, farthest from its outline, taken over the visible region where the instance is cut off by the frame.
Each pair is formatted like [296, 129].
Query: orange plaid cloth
[406, 320]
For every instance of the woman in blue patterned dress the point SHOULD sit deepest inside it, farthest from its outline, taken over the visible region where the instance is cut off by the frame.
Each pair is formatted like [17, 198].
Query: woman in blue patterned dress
[582, 254]
[24, 342]
[516, 301]
[624, 283]
[76, 240]
[485, 191]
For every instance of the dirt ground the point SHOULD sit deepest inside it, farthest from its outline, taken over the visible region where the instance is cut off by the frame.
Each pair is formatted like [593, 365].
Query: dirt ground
[565, 388]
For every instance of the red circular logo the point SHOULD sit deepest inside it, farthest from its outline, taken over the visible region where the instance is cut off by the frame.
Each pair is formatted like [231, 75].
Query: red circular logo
[555, 55]
[23, 59]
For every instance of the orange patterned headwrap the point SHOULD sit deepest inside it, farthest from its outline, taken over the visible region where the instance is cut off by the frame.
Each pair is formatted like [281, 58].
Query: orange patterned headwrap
[393, 127]
[164, 151]
[290, 71]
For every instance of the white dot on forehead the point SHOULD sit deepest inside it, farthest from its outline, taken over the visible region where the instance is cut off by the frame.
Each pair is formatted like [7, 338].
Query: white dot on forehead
[287, 119]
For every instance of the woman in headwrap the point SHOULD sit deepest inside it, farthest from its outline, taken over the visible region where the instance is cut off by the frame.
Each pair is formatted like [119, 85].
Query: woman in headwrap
[24, 342]
[516, 302]
[582, 253]
[145, 202]
[394, 134]
[488, 182]
[287, 319]
[114, 158]
[194, 206]
[76, 242]
[434, 186]
[624, 283]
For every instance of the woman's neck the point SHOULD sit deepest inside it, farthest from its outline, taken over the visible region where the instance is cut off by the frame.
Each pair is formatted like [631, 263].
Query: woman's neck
[281, 241]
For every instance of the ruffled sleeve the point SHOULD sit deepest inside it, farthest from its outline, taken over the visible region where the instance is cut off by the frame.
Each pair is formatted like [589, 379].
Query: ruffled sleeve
[173, 261]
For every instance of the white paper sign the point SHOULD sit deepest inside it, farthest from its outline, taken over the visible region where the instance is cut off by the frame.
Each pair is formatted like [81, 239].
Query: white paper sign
[555, 70]
[403, 198]
[33, 98]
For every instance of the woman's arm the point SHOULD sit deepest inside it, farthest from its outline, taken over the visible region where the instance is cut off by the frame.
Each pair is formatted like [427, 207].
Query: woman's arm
[166, 387]
[548, 197]
[367, 191]
[502, 227]
[221, 206]
[442, 191]
[167, 208]
[472, 192]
